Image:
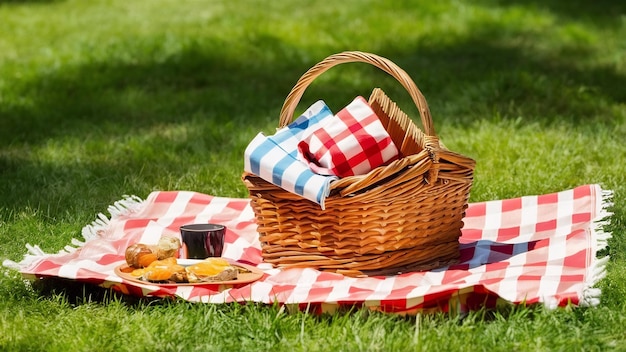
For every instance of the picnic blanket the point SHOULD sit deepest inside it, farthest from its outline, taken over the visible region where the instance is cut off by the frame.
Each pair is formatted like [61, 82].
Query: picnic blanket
[533, 249]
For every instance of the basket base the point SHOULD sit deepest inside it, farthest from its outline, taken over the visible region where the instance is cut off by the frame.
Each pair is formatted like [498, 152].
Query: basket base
[421, 258]
[402, 269]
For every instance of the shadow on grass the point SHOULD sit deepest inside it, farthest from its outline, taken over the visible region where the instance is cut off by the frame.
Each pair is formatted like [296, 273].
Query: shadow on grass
[200, 87]
[485, 77]
[116, 98]
[482, 76]
[78, 293]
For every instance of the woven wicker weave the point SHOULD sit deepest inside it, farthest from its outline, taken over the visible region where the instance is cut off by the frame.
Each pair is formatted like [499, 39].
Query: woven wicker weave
[404, 216]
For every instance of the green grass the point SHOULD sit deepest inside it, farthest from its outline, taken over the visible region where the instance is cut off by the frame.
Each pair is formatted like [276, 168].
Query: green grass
[99, 99]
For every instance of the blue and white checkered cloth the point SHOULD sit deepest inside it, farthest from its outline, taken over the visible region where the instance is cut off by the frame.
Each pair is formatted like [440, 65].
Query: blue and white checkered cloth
[275, 158]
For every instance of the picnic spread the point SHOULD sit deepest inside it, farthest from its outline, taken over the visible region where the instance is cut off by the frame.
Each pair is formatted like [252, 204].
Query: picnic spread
[354, 208]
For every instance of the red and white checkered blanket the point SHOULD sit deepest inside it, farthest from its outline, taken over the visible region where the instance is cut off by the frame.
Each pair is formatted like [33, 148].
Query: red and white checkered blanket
[533, 249]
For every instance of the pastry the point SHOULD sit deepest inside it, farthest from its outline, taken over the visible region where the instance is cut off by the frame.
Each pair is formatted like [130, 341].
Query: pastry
[139, 255]
[211, 269]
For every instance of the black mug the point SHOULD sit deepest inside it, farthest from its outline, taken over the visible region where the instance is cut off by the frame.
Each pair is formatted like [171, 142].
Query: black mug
[200, 241]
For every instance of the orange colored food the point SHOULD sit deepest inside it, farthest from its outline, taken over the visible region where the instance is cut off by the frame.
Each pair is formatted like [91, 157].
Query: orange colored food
[161, 270]
[138, 272]
[139, 255]
[166, 261]
[146, 259]
[209, 267]
[127, 269]
[158, 273]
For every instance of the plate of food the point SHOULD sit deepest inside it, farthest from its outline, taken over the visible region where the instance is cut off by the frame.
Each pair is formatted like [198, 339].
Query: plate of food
[149, 265]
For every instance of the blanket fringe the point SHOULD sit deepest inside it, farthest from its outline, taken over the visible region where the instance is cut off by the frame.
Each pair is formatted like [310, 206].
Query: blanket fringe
[599, 239]
[126, 206]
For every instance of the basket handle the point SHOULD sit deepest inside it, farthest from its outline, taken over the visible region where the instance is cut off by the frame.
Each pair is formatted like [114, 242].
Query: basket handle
[292, 100]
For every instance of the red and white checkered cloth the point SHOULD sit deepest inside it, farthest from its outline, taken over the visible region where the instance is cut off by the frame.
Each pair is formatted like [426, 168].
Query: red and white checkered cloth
[531, 249]
[352, 142]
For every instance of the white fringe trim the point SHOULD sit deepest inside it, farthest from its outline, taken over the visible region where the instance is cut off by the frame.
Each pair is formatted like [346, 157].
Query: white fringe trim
[126, 206]
[599, 241]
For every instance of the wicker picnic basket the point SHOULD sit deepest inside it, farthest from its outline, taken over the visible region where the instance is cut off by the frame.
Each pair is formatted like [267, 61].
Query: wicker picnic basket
[404, 216]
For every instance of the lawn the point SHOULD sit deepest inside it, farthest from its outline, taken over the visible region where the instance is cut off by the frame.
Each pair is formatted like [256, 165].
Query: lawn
[101, 99]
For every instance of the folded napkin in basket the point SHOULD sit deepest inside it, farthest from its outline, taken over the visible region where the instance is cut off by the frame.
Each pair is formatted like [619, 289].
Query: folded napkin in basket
[353, 142]
[274, 158]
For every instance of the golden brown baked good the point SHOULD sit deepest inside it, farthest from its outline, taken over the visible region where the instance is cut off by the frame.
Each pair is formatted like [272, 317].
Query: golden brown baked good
[167, 247]
[139, 255]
